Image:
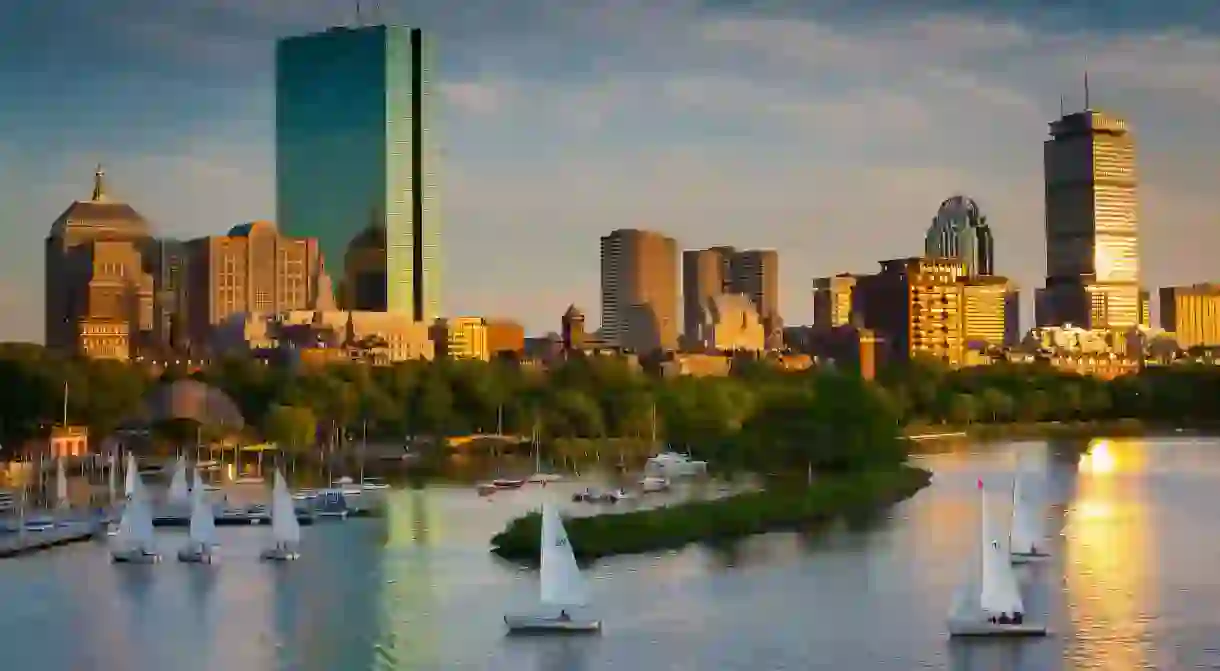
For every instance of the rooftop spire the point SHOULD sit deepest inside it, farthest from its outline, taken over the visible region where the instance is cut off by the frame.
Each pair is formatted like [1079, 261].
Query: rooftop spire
[1087, 107]
[99, 185]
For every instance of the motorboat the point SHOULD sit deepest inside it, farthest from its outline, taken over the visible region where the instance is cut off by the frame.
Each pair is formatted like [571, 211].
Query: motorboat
[486, 489]
[1027, 541]
[617, 496]
[133, 543]
[653, 483]
[285, 530]
[989, 602]
[507, 483]
[563, 596]
[201, 543]
[587, 495]
[671, 464]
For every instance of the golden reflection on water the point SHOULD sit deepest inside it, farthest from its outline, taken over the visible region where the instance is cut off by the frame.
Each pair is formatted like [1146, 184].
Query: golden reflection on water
[1107, 549]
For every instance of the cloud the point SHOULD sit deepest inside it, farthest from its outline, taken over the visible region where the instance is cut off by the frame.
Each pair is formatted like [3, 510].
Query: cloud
[832, 139]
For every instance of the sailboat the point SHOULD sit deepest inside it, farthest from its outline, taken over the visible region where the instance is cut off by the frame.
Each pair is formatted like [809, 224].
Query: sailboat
[539, 475]
[562, 591]
[179, 492]
[1028, 541]
[133, 543]
[989, 603]
[200, 546]
[62, 503]
[129, 479]
[285, 530]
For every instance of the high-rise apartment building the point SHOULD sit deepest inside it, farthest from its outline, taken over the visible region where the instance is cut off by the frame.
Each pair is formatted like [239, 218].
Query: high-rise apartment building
[832, 300]
[960, 231]
[1192, 314]
[98, 297]
[707, 273]
[990, 312]
[916, 304]
[252, 270]
[1092, 241]
[639, 278]
[352, 143]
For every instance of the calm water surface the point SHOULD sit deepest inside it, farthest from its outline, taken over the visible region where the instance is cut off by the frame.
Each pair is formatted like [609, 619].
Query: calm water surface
[1133, 585]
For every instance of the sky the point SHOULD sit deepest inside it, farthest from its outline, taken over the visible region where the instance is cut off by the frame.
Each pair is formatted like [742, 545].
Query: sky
[828, 130]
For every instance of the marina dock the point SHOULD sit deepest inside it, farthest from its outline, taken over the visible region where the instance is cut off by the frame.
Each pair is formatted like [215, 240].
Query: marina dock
[17, 544]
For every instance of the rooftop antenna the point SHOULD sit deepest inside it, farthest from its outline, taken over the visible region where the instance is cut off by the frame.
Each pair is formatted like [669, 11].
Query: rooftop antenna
[1062, 112]
[359, 22]
[1086, 91]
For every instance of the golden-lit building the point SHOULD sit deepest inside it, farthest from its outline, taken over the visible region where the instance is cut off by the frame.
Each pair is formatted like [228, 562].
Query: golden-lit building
[916, 305]
[707, 273]
[639, 290]
[990, 312]
[461, 338]
[322, 336]
[252, 270]
[832, 300]
[1192, 314]
[99, 299]
[730, 324]
[68, 441]
[504, 337]
[1092, 214]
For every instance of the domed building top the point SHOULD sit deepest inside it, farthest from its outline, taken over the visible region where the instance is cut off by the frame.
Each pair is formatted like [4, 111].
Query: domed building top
[194, 400]
[100, 216]
[248, 229]
[960, 231]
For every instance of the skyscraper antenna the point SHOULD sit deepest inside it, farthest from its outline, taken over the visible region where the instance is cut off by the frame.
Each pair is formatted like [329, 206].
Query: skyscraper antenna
[359, 22]
[1062, 112]
[1086, 91]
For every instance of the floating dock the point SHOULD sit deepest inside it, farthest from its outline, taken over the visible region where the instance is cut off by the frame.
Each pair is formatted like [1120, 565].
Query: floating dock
[16, 544]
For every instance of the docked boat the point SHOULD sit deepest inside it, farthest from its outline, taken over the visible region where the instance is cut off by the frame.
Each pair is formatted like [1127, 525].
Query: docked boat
[507, 483]
[617, 495]
[201, 544]
[587, 495]
[989, 602]
[563, 596]
[540, 476]
[62, 503]
[1027, 542]
[285, 530]
[332, 504]
[134, 540]
[671, 464]
[653, 483]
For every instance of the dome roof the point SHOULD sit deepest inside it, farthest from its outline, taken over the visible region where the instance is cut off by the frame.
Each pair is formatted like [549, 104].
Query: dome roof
[100, 215]
[191, 399]
[246, 230]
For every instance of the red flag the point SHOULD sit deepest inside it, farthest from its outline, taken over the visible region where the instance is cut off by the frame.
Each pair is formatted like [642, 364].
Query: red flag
[980, 483]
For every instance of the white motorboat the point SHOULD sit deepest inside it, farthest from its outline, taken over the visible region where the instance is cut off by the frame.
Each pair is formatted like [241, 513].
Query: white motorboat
[671, 464]
[563, 595]
[285, 529]
[1027, 542]
[134, 541]
[989, 602]
[200, 546]
[653, 483]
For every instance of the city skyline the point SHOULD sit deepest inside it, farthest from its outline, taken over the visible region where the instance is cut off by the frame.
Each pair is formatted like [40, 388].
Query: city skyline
[542, 159]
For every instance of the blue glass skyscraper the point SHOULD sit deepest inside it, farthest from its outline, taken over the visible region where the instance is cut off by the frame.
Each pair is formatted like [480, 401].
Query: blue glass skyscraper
[352, 146]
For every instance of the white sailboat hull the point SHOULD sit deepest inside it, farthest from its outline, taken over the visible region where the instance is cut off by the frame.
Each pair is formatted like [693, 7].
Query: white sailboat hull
[533, 623]
[135, 556]
[1029, 557]
[197, 555]
[280, 554]
[962, 627]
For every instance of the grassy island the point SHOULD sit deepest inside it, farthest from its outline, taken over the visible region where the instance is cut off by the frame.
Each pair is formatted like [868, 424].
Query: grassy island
[783, 506]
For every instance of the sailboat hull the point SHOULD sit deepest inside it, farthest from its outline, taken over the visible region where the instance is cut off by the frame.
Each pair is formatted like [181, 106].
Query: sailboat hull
[977, 629]
[538, 624]
[136, 556]
[1029, 557]
[196, 556]
[280, 554]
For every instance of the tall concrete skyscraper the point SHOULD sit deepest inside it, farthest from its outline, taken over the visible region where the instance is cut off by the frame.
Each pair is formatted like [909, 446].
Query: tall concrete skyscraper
[353, 144]
[960, 231]
[639, 281]
[1092, 240]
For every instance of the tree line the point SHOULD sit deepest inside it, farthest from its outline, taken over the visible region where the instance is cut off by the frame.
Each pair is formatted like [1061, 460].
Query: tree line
[769, 418]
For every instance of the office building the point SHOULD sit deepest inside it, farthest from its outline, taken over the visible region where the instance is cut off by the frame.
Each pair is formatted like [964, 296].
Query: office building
[707, 273]
[731, 324]
[353, 144]
[990, 312]
[1192, 314]
[461, 338]
[916, 306]
[98, 297]
[1092, 241]
[254, 269]
[960, 231]
[639, 292]
[832, 298]
[1145, 308]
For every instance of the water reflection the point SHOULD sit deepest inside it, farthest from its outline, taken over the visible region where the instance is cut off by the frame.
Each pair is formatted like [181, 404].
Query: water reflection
[1107, 542]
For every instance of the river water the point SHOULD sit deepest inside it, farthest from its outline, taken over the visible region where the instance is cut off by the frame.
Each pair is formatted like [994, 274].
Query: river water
[1134, 584]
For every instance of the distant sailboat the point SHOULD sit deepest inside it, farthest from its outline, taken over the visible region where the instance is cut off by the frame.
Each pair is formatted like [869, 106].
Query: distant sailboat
[563, 594]
[285, 529]
[199, 547]
[62, 503]
[179, 492]
[133, 543]
[540, 476]
[129, 478]
[111, 467]
[1028, 540]
[989, 602]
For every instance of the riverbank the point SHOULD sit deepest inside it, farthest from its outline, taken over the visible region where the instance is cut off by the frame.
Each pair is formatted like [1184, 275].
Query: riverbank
[782, 507]
[1034, 430]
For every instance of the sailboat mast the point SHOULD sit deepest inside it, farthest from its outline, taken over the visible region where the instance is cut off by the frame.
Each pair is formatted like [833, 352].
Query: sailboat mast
[65, 415]
[364, 439]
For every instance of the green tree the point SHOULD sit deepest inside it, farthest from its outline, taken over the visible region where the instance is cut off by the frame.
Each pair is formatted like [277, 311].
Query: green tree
[963, 409]
[292, 428]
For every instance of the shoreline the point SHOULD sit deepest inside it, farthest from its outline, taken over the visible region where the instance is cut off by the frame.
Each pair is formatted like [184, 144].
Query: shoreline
[1078, 429]
[784, 508]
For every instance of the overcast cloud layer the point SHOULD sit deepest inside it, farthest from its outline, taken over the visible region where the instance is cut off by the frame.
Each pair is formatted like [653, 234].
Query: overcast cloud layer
[830, 135]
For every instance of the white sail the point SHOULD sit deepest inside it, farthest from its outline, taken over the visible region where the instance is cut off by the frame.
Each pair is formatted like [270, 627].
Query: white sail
[203, 518]
[61, 485]
[560, 582]
[998, 588]
[129, 480]
[110, 475]
[179, 493]
[1027, 515]
[136, 525]
[284, 526]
